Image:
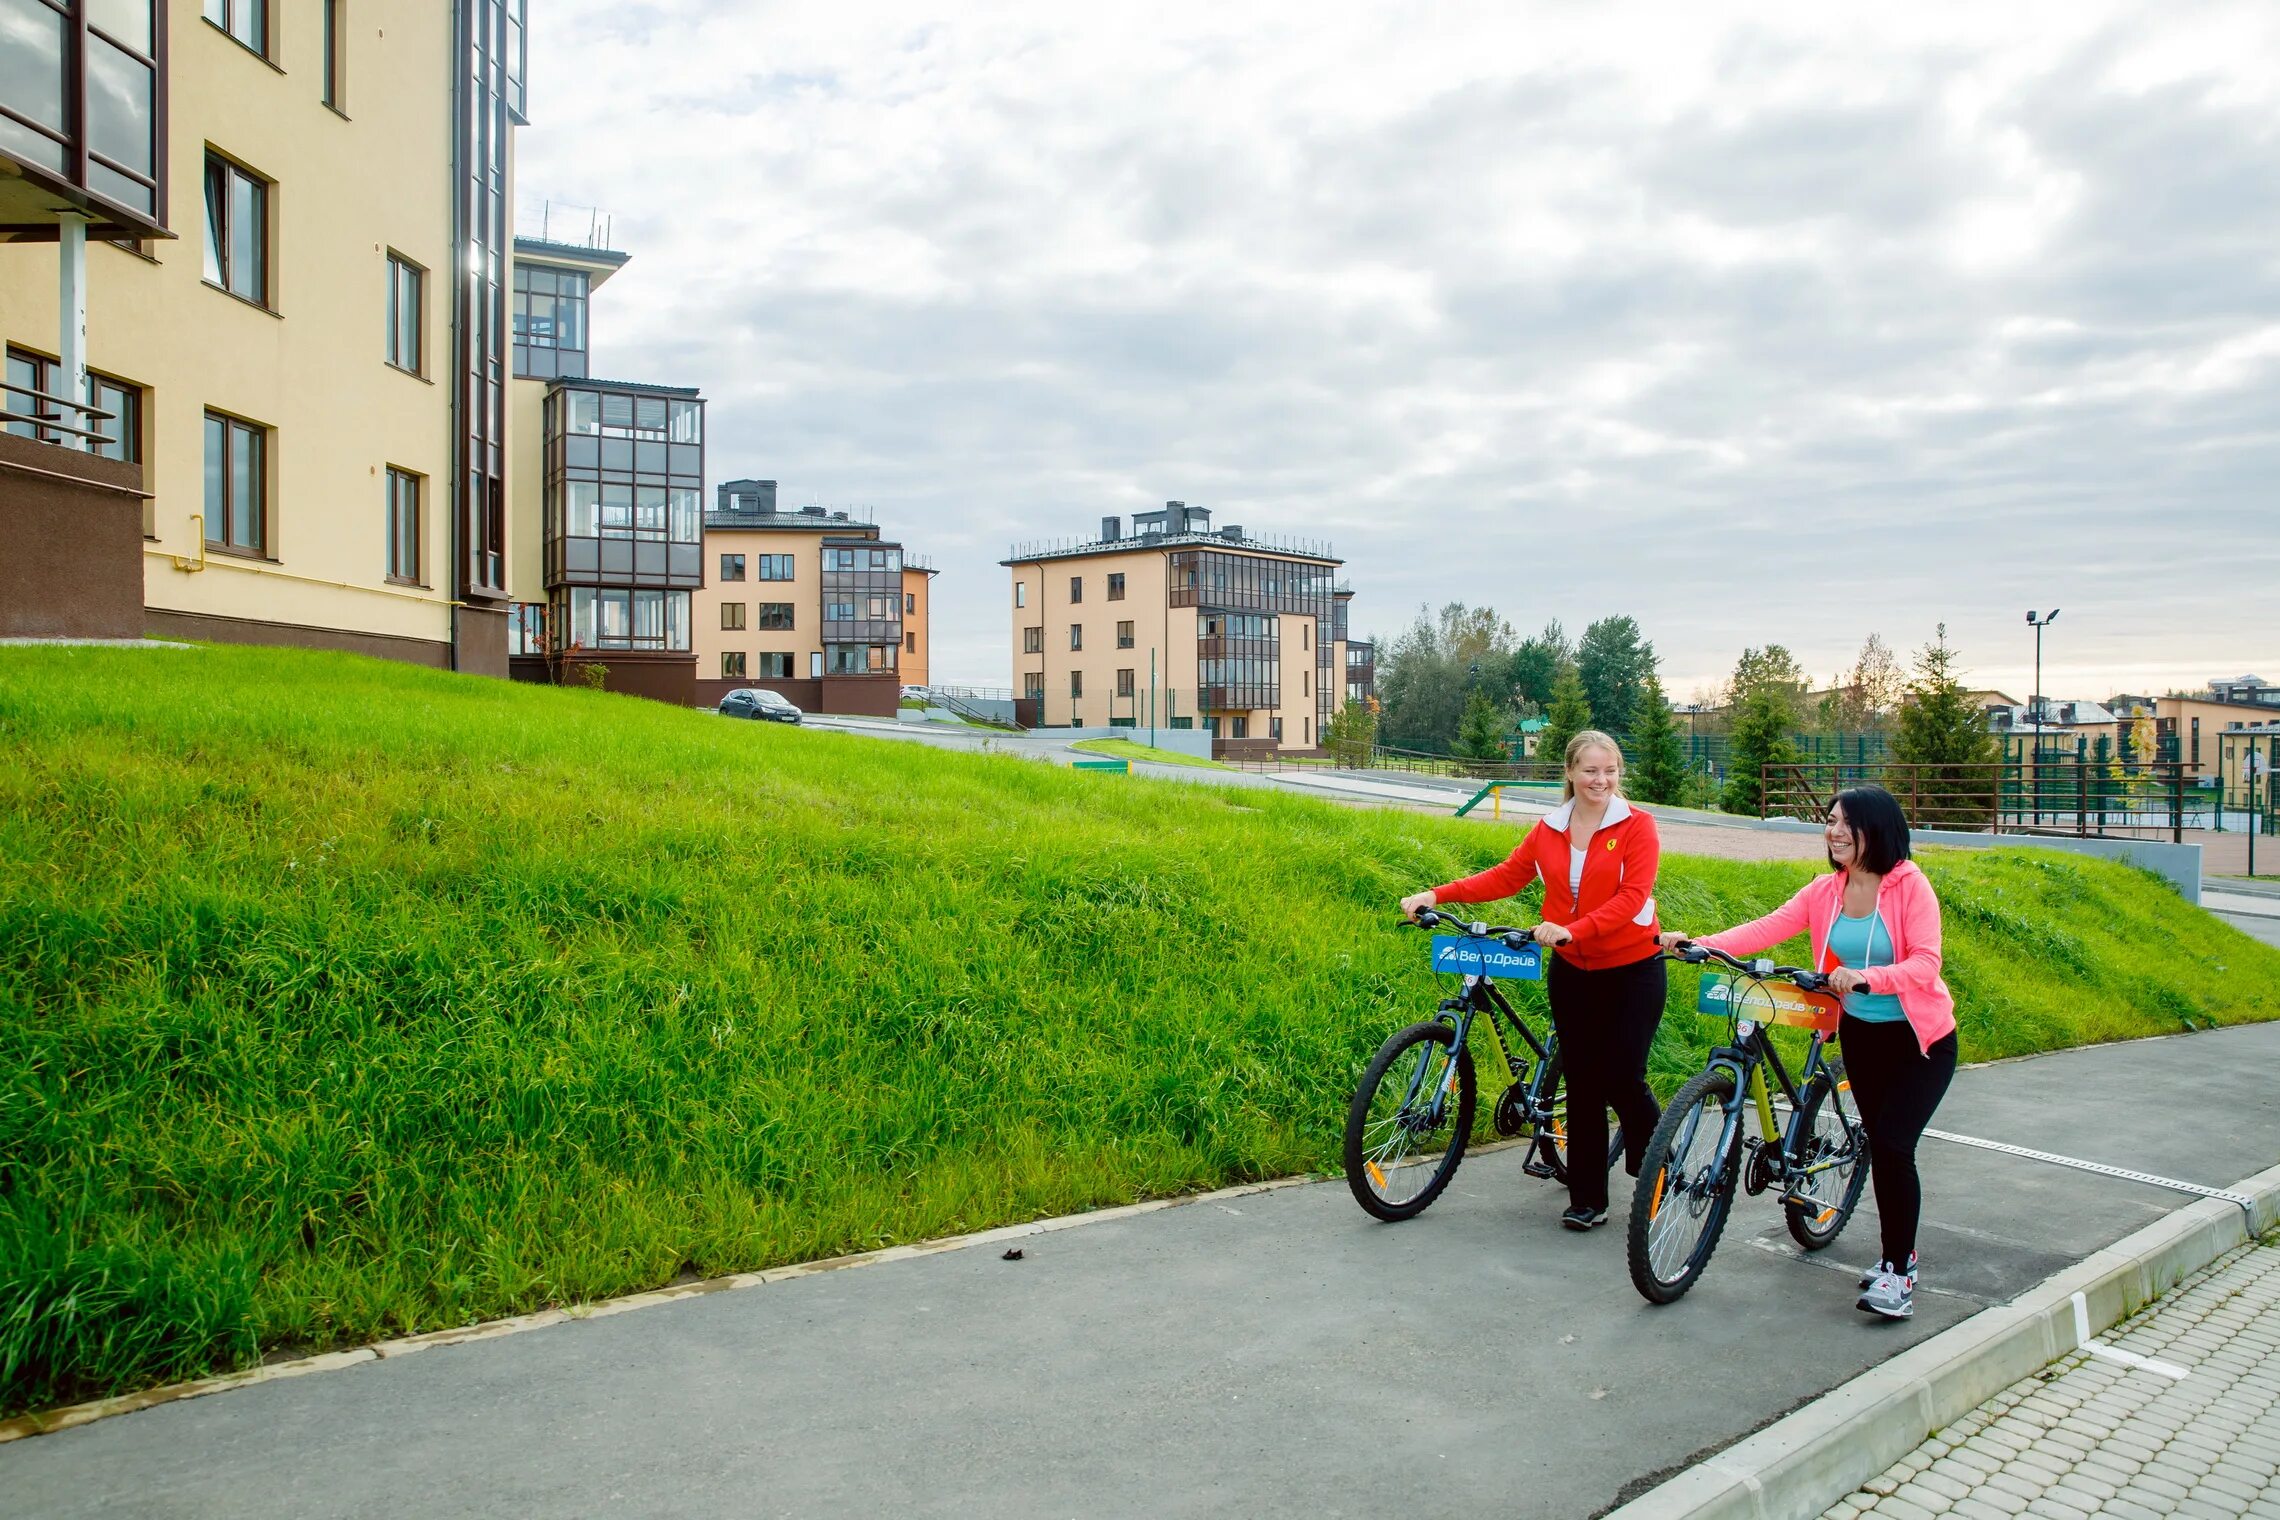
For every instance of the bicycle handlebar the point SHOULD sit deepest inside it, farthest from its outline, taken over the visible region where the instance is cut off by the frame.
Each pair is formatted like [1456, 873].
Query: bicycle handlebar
[1694, 954]
[1513, 936]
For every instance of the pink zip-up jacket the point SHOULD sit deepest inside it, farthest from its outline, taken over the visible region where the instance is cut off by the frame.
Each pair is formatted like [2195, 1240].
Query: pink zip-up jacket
[1911, 911]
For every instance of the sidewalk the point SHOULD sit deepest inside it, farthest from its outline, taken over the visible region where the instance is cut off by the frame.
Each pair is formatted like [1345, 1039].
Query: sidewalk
[2191, 1429]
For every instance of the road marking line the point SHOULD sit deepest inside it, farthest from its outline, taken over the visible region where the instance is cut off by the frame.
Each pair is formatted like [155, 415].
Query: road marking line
[2115, 1354]
[2247, 1204]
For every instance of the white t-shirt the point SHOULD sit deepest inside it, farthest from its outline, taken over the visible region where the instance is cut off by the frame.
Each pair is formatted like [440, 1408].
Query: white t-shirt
[1576, 855]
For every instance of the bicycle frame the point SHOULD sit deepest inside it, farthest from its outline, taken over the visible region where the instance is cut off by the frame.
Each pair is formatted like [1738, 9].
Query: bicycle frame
[1747, 1055]
[1480, 996]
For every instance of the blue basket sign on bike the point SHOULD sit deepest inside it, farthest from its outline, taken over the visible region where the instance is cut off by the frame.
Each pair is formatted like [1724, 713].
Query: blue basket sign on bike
[1458, 955]
[1769, 1003]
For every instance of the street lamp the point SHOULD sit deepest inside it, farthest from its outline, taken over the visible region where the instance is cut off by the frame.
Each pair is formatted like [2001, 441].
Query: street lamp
[2038, 624]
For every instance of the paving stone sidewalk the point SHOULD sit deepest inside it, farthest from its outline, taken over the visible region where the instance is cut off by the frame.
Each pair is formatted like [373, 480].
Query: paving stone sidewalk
[2088, 1436]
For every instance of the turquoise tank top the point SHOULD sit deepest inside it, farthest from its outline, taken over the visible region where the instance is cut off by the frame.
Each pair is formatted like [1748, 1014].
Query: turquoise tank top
[1861, 944]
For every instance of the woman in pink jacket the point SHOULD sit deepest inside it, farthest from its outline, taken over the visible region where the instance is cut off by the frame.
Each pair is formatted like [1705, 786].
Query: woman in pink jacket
[1875, 928]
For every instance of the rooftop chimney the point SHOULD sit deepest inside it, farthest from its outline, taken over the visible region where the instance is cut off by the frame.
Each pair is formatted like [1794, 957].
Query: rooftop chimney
[1111, 529]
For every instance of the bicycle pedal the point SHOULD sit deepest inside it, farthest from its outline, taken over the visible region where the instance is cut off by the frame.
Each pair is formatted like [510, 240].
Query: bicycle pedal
[1537, 1169]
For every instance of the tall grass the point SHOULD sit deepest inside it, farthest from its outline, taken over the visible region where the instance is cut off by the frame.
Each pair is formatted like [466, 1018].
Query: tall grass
[340, 999]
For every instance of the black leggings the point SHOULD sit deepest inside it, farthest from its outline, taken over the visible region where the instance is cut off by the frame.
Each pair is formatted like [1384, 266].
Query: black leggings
[1895, 1087]
[1605, 1021]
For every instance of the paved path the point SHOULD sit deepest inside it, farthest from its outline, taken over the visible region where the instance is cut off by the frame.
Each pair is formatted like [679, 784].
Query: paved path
[1278, 1354]
[2197, 1436]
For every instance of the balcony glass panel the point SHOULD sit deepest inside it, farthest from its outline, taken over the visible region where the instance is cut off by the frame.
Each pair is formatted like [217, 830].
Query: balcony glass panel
[119, 101]
[125, 21]
[31, 61]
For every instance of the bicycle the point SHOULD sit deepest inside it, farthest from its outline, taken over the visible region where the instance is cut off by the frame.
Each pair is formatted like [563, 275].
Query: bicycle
[1421, 1083]
[1699, 1155]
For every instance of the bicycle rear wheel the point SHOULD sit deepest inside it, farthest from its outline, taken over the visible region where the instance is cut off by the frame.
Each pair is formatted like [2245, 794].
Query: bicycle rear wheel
[1686, 1188]
[1398, 1118]
[1819, 1207]
[1548, 1156]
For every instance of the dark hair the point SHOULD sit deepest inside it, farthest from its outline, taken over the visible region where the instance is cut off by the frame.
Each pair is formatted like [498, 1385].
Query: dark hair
[1879, 828]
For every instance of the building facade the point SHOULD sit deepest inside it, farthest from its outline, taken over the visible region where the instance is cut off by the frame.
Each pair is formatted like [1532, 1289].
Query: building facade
[1181, 626]
[819, 606]
[261, 241]
[611, 473]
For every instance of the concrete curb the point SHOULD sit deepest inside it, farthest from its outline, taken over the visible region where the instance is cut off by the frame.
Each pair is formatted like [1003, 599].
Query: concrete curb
[1797, 1467]
[127, 1403]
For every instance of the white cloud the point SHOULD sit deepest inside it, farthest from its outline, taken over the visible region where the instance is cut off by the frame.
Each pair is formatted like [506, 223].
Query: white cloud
[1816, 319]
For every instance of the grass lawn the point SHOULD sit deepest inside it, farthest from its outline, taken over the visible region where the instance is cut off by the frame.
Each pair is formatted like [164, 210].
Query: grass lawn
[341, 999]
[1126, 749]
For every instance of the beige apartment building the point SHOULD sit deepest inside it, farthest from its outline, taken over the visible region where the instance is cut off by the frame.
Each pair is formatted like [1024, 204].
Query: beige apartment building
[1180, 626]
[818, 606]
[274, 265]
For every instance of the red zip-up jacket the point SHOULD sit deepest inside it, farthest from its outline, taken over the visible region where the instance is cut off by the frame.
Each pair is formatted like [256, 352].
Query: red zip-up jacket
[1613, 917]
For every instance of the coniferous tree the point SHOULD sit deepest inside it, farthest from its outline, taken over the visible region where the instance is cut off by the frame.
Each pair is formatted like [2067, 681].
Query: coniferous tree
[1570, 715]
[1658, 767]
[1760, 738]
[1613, 663]
[1482, 734]
[1350, 734]
[1954, 763]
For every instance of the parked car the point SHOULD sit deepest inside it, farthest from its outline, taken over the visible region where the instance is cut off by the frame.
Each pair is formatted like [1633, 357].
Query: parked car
[916, 694]
[752, 702]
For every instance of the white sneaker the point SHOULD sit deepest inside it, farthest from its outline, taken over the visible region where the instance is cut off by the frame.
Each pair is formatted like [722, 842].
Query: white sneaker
[1891, 1295]
[1869, 1276]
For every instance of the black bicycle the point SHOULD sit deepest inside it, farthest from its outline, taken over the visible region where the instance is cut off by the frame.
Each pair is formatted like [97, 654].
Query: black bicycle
[1412, 1114]
[1699, 1155]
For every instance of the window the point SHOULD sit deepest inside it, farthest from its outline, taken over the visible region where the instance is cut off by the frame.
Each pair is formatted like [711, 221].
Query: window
[36, 372]
[910, 643]
[775, 567]
[732, 663]
[1239, 728]
[1124, 635]
[1124, 683]
[404, 306]
[1116, 587]
[1076, 683]
[880, 606]
[1076, 588]
[125, 404]
[775, 616]
[403, 526]
[860, 659]
[549, 315]
[1305, 635]
[839, 612]
[237, 485]
[731, 616]
[775, 664]
[526, 629]
[1032, 641]
[1309, 722]
[1306, 683]
[732, 567]
[815, 664]
[1076, 635]
[1184, 722]
[1021, 593]
[246, 20]
[910, 604]
[237, 230]
[1274, 729]
[336, 61]
[1033, 684]
[611, 618]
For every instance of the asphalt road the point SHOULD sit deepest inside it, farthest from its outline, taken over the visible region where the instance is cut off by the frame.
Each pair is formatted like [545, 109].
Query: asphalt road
[1277, 1354]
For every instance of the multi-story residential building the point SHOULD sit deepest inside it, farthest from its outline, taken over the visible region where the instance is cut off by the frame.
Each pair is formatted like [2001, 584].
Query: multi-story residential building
[271, 245]
[816, 605]
[1180, 626]
[611, 474]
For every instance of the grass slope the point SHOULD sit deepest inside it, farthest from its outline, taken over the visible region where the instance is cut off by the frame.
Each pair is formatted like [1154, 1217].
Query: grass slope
[1127, 749]
[341, 999]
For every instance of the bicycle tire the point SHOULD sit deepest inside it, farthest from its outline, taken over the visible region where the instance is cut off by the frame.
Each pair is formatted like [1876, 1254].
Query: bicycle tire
[1369, 1148]
[1551, 1149]
[1664, 1265]
[1815, 1229]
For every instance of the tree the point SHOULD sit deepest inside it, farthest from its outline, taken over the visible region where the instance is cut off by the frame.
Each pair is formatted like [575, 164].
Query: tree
[1570, 715]
[1420, 688]
[1760, 739]
[1535, 665]
[1770, 666]
[1880, 683]
[1481, 736]
[1350, 734]
[1658, 765]
[1614, 662]
[1953, 762]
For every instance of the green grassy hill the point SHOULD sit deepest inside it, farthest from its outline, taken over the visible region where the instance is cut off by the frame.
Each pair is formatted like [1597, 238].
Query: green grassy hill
[340, 999]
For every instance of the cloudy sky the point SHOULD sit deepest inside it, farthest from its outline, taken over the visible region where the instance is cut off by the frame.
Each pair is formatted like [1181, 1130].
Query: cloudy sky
[1757, 322]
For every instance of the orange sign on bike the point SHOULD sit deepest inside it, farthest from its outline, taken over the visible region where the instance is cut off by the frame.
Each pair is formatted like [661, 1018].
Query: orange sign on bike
[1770, 1002]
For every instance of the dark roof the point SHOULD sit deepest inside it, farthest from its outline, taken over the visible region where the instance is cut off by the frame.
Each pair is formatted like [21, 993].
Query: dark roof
[635, 387]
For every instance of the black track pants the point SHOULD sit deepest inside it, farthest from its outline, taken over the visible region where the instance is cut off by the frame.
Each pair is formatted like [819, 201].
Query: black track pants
[1606, 1020]
[1895, 1088]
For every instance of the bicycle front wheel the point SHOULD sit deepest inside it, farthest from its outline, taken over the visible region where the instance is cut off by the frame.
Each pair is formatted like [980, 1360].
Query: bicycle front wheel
[1408, 1125]
[1686, 1187]
[1819, 1206]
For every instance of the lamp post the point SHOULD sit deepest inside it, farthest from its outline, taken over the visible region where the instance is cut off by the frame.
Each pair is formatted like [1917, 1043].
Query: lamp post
[2038, 624]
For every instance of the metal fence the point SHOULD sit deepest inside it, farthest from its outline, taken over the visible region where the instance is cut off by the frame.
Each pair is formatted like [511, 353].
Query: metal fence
[2059, 794]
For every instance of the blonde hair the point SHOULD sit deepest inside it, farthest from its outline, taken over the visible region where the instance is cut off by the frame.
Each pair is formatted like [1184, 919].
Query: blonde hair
[1589, 738]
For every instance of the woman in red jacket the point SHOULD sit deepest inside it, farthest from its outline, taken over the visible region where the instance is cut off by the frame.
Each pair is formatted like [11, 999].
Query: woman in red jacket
[1597, 856]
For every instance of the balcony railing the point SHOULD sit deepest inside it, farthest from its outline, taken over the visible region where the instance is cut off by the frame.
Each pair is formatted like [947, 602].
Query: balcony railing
[47, 411]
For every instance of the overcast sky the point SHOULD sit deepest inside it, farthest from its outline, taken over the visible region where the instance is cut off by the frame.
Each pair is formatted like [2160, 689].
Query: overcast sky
[1757, 322]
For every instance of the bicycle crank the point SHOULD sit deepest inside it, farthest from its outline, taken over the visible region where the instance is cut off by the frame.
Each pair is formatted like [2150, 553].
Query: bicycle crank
[1512, 1111]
